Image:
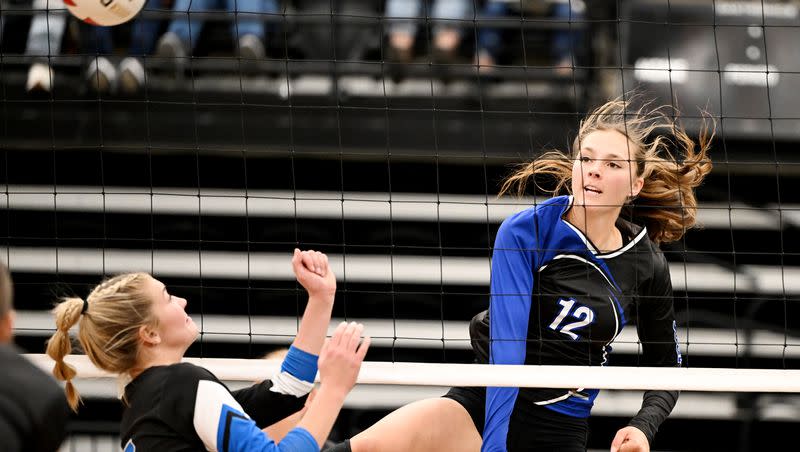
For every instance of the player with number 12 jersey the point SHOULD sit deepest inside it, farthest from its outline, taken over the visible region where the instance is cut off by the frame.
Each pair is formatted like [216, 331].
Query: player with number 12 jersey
[568, 308]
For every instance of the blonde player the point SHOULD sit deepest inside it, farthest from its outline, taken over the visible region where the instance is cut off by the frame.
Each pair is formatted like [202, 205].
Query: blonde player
[132, 325]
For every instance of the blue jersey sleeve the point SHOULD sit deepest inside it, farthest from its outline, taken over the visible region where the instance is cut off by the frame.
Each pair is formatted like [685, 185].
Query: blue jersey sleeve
[245, 436]
[300, 364]
[513, 266]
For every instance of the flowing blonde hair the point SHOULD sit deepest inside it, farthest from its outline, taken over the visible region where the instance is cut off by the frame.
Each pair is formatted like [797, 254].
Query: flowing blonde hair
[666, 203]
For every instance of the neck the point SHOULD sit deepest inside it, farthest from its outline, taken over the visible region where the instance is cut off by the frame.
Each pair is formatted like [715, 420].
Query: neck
[158, 357]
[598, 225]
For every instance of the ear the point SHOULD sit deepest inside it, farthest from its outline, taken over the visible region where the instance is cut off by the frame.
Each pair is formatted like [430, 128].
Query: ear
[148, 335]
[7, 327]
[636, 187]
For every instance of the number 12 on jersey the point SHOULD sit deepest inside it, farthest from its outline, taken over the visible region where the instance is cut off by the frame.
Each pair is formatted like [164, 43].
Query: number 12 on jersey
[584, 317]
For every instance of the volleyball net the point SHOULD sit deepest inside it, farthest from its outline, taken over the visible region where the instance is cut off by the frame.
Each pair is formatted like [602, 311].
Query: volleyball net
[206, 165]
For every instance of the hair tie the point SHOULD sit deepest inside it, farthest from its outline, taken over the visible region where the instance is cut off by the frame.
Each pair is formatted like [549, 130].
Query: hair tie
[85, 307]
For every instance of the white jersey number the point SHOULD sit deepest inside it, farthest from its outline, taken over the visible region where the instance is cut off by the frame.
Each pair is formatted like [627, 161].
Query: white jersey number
[584, 317]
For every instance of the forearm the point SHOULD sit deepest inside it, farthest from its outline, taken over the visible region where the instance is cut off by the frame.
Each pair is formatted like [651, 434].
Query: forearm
[656, 406]
[314, 324]
[322, 413]
[278, 430]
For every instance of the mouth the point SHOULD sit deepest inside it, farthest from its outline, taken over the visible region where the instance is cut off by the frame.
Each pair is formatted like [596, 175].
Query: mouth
[592, 189]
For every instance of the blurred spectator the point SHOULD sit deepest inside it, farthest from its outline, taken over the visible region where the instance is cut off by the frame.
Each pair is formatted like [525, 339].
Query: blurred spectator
[14, 24]
[33, 409]
[349, 39]
[44, 41]
[445, 35]
[565, 41]
[247, 27]
[98, 42]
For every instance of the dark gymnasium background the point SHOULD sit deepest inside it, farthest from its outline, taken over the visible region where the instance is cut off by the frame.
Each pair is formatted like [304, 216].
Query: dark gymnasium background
[339, 144]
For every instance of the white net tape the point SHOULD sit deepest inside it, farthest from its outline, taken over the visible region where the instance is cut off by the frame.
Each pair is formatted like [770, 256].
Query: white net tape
[385, 373]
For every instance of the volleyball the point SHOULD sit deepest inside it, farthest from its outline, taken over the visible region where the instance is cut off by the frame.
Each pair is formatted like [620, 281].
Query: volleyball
[104, 12]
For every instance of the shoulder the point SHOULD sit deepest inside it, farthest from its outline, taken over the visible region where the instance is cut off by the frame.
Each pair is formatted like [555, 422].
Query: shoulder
[660, 264]
[163, 404]
[659, 267]
[541, 215]
[184, 380]
[34, 420]
[10, 355]
[643, 244]
[173, 391]
[176, 381]
[23, 377]
[190, 371]
[184, 372]
[659, 261]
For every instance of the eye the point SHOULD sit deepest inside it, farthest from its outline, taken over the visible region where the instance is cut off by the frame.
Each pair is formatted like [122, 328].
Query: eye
[614, 165]
[584, 158]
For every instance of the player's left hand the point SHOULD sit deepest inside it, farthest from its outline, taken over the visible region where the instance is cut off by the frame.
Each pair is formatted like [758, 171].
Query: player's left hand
[313, 273]
[630, 439]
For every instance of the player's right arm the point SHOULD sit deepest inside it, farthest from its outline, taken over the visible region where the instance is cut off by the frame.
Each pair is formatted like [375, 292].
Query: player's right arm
[222, 424]
[285, 393]
[513, 261]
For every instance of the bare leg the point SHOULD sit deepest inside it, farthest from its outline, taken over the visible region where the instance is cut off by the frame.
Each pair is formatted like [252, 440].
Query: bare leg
[435, 425]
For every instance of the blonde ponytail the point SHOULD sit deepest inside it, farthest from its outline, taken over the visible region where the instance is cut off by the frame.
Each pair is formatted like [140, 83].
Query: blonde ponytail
[67, 313]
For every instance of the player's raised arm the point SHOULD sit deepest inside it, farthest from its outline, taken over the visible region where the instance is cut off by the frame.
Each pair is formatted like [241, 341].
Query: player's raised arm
[313, 272]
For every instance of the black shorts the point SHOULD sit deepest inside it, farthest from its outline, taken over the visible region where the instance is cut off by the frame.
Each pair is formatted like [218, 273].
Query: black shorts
[532, 427]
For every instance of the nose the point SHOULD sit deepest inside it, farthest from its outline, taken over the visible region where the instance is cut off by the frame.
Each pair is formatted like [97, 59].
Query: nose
[592, 168]
[182, 302]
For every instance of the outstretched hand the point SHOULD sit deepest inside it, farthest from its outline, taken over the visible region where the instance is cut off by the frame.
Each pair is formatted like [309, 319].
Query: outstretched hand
[341, 357]
[630, 439]
[313, 273]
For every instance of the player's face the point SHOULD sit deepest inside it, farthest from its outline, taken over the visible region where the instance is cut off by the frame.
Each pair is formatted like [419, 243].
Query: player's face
[175, 327]
[604, 171]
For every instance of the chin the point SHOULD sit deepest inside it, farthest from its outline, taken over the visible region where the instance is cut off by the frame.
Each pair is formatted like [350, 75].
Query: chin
[597, 206]
[592, 203]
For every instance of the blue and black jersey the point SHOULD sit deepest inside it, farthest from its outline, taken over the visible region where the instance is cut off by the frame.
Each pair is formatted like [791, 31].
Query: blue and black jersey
[183, 407]
[556, 300]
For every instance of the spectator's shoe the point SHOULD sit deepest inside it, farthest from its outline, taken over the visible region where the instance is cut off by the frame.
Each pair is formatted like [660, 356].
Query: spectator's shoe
[171, 46]
[40, 78]
[131, 75]
[251, 47]
[101, 75]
